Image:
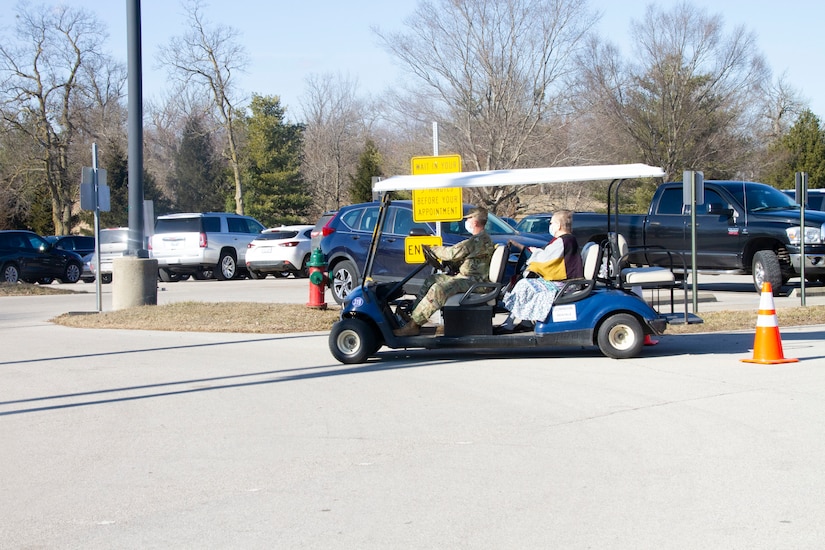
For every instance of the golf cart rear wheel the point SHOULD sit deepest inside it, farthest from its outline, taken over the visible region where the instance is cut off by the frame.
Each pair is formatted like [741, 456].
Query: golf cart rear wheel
[621, 336]
[352, 341]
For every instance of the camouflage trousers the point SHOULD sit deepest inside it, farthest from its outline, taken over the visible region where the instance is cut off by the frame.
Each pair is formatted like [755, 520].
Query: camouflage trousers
[434, 293]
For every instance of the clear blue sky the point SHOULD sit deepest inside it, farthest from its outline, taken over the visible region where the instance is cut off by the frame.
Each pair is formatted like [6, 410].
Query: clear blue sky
[288, 41]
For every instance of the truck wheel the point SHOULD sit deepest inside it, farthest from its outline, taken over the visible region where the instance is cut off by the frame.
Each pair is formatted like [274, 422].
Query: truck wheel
[621, 336]
[766, 269]
[352, 341]
[227, 266]
[344, 279]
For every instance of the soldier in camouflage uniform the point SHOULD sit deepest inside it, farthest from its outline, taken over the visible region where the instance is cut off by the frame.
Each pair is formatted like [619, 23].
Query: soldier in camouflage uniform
[474, 254]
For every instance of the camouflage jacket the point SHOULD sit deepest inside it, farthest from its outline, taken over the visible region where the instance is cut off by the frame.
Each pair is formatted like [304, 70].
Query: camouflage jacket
[473, 254]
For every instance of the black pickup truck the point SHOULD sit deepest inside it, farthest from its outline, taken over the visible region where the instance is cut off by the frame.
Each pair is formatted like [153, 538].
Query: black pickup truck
[742, 227]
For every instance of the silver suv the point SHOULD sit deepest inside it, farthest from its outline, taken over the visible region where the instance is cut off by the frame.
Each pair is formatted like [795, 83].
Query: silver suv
[114, 243]
[203, 245]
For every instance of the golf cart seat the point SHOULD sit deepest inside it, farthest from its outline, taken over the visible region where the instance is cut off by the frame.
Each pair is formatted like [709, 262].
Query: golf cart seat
[485, 293]
[471, 313]
[654, 278]
[645, 277]
[576, 289]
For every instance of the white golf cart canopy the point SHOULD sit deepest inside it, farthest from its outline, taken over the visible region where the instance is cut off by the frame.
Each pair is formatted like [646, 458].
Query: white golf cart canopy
[520, 176]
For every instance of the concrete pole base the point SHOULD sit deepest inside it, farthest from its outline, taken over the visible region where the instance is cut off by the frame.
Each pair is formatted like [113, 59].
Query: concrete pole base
[134, 282]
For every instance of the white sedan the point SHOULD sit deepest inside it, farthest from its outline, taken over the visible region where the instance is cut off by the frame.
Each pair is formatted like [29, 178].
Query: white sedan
[280, 251]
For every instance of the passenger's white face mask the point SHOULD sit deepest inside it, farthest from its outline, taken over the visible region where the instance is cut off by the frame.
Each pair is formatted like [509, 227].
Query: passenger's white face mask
[469, 225]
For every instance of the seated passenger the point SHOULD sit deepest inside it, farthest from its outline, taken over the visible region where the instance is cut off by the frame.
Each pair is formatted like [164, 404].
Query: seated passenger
[474, 254]
[532, 297]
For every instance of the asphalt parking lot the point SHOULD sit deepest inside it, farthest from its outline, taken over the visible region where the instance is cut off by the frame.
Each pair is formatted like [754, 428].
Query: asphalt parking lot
[146, 439]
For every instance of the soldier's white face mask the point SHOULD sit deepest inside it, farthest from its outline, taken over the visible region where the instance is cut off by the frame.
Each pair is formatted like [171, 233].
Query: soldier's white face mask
[469, 225]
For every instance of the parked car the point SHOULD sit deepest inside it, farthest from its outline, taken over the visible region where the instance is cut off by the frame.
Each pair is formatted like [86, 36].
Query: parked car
[318, 230]
[81, 244]
[114, 242]
[816, 198]
[538, 225]
[346, 240]
[280, 251]
[87, 275]
[202, 244]
[510, 221]
[26, 256]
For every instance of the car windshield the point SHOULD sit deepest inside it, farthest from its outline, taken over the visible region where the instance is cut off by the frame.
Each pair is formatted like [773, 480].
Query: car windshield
[275, 235]
[762, 197]
[179, 225]
[495, 226]
[115, 236]
[534, 224]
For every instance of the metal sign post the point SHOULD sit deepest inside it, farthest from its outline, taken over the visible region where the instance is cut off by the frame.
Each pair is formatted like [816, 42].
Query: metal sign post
[802, 198]
[94, 195]
[96, 186]
[693, 193]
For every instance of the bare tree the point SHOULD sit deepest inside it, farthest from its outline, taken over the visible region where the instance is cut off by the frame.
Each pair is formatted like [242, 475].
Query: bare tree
[782, 104]
[333, 138]
[686, 99]
[208, 57]
[164, 131]
[53, 79]
[493, 74]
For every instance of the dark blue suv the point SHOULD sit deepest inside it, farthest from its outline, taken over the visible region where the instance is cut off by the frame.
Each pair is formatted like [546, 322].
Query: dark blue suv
[345, 240]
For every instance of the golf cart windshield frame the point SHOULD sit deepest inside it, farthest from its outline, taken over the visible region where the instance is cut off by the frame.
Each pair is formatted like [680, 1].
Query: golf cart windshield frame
[499, 178]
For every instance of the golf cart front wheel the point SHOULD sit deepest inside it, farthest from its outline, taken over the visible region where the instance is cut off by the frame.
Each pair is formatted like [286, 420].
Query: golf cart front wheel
[621, 336]
[352, 341]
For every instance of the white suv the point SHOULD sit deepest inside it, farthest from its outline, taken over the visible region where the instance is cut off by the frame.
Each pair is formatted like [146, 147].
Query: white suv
[202, 244]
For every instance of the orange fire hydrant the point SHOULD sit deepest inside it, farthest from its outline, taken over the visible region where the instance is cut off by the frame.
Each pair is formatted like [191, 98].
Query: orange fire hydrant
[317, 280]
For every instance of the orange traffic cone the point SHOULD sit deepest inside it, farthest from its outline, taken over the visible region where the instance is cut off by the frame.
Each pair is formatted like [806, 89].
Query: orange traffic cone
[767, 346]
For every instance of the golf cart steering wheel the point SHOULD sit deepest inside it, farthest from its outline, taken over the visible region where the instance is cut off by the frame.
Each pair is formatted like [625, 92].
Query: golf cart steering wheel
[431, 258]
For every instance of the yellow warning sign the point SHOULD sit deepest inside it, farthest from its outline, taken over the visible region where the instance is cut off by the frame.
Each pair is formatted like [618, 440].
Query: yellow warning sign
[440, 164]
[413, 251]
[437, 205]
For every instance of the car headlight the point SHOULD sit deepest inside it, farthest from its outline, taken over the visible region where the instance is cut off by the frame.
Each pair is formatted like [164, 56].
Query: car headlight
[812, 235]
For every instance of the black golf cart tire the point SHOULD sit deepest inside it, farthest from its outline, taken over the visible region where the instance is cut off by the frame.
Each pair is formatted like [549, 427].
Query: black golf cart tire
[106, 278]
[11, 273]
[72, 273]
[227, 266]
[620, 336]
[343, 280]
[766, 269]
[352, 341]
[257, 275]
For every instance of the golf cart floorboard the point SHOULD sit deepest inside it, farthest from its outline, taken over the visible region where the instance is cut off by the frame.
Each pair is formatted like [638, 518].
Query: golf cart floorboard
[428, 340]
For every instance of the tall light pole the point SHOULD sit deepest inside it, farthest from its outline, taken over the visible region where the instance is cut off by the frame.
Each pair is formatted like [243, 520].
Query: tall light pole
[135, 276]
[135, 121]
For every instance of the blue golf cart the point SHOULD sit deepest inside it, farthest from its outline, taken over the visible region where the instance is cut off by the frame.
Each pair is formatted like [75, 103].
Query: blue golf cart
[606, 308]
